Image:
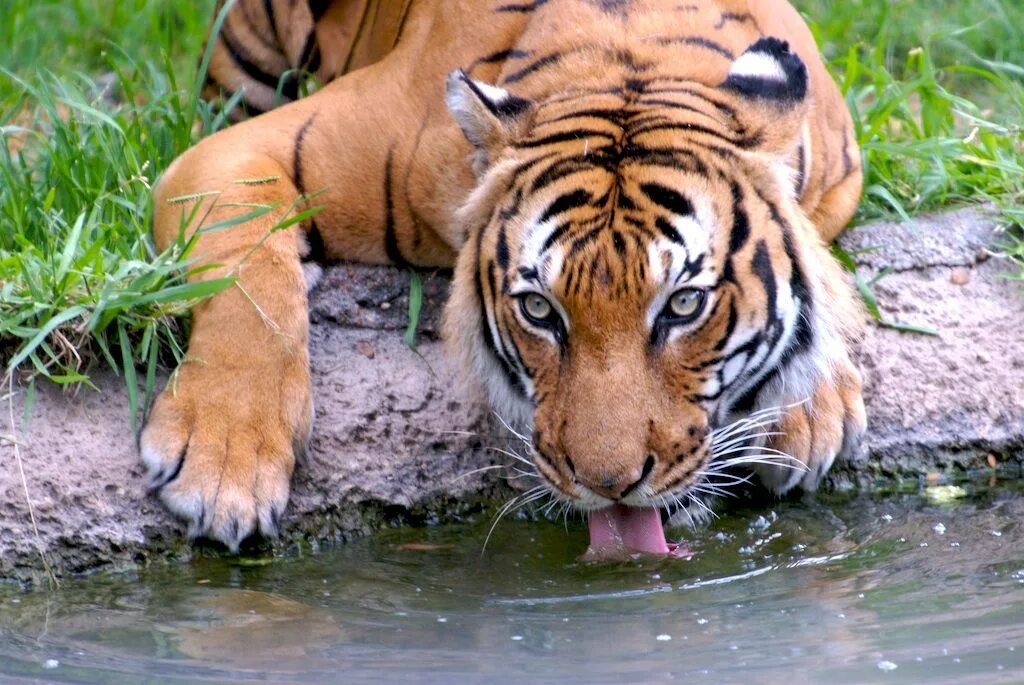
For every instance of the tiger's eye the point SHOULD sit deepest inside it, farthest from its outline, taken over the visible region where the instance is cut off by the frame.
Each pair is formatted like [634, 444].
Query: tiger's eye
[686, 303]
[536, 307]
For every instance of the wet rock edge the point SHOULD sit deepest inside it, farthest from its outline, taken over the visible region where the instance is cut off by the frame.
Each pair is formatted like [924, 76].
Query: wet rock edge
[385, 450]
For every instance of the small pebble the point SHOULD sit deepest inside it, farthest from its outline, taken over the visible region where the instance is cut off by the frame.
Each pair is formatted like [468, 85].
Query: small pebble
[663, 638]
[960, 276]
[887, 666]
[385, 306]
[51, 664]
[939, 528]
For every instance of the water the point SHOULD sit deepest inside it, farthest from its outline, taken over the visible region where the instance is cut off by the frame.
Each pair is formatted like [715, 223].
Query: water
[921, 588]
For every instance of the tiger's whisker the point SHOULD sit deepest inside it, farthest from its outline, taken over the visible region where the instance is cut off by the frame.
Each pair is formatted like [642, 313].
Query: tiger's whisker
[506, 508]
[475, 471]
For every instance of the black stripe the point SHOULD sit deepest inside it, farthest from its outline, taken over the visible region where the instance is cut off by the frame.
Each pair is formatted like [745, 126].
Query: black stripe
[270, 42]
[317, 247]
[761, 265]
[668, 198]
[730, 326]
[485, 328]
[613, 116]
[847, 160]
[300, 137]
[310, 58]
[554, 236]
[314, 239]
[737, 17]
[740, 221]
[244, 60]
[613, 7]
[536, 65]
[319, 8]
[498, 346]
[564, 203]
[672, 104]
[673, 157]
[501, 251]
[698, 42]
[557, 171]
[669, 231]
[391, 247]
[687, 127]
[799, 289]
[522, 7]
[500, 56]
[619, 243]
[268, 9]
[723, 107]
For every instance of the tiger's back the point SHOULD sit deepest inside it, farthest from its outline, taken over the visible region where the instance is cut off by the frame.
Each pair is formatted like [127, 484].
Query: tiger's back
[265, 47]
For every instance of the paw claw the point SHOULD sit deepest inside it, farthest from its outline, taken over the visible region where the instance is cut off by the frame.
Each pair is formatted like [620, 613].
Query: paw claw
[817, 432]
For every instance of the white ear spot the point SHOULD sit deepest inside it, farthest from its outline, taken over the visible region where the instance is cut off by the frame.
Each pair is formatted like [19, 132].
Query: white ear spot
[758, 65]
[481, 109]
[493, 93]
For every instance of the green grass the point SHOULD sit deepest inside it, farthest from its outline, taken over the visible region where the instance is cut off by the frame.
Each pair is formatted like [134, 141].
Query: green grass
[97, 97]
[937, 93]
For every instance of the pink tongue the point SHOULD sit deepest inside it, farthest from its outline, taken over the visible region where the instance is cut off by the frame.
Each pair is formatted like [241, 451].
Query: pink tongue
[619, 529]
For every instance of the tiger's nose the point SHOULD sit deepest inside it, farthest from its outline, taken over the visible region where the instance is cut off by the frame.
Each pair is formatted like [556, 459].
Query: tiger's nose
[617, 488]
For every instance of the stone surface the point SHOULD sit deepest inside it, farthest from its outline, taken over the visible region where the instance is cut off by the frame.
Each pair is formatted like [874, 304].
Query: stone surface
[946, 402]
[393, 442]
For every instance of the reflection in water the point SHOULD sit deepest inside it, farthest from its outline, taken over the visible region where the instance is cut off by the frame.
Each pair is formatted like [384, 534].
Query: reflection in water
[839, 591]
[247, 626]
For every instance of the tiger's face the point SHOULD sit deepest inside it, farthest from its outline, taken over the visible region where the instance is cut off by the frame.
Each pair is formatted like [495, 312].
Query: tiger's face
[641, 274]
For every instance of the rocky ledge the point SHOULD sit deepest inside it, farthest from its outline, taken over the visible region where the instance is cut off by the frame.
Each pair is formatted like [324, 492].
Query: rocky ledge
[393, 443]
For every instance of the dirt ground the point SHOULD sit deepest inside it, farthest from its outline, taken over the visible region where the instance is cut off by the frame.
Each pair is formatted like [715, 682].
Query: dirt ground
[393, 441]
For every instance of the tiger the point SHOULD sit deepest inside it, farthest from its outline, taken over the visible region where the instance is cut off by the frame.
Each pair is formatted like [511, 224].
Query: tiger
[636, 198]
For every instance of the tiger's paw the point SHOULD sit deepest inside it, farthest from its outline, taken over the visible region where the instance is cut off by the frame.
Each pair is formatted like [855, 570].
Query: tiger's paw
[813, 433]
[219, 449]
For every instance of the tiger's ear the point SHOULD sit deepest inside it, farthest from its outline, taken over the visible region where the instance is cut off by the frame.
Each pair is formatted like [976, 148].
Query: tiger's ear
[487, 115]
[772, 83]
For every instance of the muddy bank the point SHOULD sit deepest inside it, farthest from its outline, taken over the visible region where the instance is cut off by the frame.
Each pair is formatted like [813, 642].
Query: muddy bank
[393, 443]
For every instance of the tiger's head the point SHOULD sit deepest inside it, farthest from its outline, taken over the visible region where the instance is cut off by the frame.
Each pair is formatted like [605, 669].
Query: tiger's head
[638, 276]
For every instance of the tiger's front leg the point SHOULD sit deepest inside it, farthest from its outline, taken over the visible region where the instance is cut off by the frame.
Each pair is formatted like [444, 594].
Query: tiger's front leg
[828, 423]
[220, 444]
